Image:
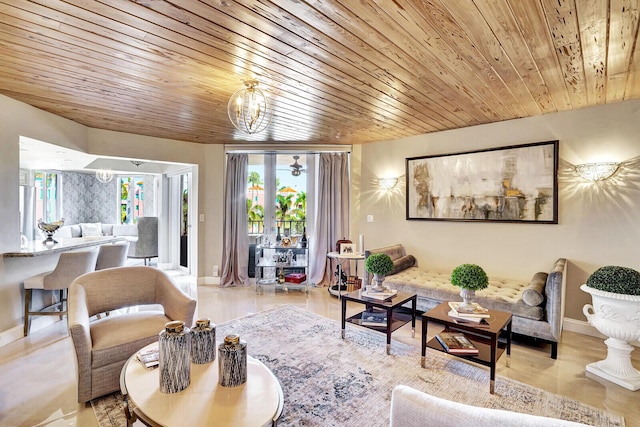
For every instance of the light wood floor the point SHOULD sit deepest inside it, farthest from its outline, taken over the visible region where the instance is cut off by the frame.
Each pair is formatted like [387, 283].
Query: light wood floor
[38, 384]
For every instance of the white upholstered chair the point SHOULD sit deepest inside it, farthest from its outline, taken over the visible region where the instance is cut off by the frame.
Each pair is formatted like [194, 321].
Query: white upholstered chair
[103, 346]
[70, 265]
[414, 408]
[146, 245]
[112, 255]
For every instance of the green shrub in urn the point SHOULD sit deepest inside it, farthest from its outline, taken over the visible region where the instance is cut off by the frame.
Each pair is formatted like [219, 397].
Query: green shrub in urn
[469, 276]
[380, 264]
[619, 280]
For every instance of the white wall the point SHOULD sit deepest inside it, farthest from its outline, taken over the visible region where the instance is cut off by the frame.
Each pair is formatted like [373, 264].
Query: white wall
[598, 225]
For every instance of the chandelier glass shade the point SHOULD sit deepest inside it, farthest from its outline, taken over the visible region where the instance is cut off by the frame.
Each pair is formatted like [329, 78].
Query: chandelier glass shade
[249, 109]
[104, 176]
[596, 171]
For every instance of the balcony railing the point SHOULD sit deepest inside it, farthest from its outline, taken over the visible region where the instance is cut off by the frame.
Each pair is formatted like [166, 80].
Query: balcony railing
[287, 227]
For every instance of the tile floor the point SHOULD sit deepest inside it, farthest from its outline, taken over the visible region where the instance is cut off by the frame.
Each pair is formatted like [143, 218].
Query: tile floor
[38, 384]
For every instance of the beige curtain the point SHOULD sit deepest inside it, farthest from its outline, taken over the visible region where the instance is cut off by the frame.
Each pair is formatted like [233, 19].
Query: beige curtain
[235, 258]
[332, 218]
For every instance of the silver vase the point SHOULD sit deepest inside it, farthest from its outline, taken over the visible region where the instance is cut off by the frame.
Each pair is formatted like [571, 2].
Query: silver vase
[203, 342]
[232, 361]
[174, 345]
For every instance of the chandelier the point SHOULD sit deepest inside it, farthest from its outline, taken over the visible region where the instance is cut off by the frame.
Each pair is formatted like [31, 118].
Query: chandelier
[248, 109]
[104, 176]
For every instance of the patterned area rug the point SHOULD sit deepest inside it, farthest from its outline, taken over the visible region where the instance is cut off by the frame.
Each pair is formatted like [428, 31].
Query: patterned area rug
[328, 381]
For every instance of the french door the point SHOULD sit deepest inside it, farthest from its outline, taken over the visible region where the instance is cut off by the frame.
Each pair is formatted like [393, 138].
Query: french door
[279, 197]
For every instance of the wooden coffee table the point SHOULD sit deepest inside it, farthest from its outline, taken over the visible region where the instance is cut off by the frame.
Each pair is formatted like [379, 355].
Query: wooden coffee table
[258, 402]
[485, 337]
[397, 316]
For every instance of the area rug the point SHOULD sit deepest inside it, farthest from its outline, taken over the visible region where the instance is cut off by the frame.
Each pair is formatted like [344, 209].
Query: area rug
[328, 381]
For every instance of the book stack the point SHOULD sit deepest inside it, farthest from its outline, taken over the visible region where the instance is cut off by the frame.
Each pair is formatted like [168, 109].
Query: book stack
[380, 296]
[374, 317]
[353, 283]
[456, 343]
[150, 358]
[478, 314]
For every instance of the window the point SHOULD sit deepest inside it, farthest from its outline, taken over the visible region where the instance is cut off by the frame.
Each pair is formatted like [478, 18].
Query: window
[276, 194]
[131, 199]
[46, 197]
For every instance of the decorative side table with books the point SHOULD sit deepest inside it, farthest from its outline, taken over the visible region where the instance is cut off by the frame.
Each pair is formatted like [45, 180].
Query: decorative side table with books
[483, 333]
[383, 314]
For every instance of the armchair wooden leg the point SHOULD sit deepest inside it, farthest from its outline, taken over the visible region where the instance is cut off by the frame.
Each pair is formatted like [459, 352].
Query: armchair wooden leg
[27, 308]
[62, 303]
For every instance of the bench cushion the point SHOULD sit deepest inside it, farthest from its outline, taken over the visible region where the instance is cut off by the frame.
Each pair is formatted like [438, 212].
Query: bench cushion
[501, 294]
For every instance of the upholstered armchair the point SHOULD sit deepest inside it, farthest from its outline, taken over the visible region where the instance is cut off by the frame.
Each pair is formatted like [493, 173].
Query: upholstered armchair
[414, 408]
[103, 346]
[146, 246]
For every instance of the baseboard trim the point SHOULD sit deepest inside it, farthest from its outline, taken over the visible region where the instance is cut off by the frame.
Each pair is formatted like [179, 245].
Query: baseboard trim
[14, 334]
[585, 328]
[209, 280]
[581, 327]
[11, 335]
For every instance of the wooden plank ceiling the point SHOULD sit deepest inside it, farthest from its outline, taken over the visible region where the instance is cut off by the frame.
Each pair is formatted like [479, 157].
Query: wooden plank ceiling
[336, 71]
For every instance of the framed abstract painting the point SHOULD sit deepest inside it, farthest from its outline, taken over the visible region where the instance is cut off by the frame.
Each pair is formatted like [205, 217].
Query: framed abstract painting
[506, 184]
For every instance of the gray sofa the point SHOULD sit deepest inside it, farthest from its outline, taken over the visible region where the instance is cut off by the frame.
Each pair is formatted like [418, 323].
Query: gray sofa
[142, 237]
[537, 305]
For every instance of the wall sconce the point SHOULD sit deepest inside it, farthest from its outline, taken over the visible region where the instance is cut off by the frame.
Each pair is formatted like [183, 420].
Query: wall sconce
[387, 183]
[104, 176]
[597, 171]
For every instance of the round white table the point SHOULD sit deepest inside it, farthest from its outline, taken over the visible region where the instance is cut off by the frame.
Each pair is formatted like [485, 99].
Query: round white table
[342, 258]
[258, 402]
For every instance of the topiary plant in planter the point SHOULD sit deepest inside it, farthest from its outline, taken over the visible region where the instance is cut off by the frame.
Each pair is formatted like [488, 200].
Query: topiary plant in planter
[471, 278]
[619, 280]
[615, 312]
[379, 265]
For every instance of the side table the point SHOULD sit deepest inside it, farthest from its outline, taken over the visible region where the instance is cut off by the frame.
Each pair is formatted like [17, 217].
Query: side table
[397, 315]
[258, 402]
[485, 337]
[341, 259]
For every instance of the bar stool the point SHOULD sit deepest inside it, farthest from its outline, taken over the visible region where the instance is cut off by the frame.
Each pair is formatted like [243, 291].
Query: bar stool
[70, 266]
[110, 256]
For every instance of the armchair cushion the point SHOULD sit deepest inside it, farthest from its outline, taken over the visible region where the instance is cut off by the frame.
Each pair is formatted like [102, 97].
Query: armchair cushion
[116, 335]
[413, 408]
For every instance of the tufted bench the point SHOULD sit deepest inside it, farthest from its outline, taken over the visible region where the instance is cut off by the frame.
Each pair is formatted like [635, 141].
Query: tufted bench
[537, 305]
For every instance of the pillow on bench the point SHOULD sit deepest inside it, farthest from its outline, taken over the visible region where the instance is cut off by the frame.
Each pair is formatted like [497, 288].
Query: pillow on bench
[403, 263]
[533, 295]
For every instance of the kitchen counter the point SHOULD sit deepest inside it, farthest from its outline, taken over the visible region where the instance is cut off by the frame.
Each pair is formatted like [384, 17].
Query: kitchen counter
[37, 248]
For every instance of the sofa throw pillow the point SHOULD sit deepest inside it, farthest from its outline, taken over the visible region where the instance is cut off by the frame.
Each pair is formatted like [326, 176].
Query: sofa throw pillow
[533, 295]
[403, 263]
[91, 229]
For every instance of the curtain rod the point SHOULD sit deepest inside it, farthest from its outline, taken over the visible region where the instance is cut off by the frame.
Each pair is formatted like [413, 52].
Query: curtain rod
[260, 149]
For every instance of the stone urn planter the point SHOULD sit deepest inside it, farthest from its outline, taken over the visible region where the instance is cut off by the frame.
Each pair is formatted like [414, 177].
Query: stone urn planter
[616, 315]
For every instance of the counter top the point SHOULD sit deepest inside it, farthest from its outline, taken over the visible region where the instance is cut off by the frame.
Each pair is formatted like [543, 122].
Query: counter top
[37, 248]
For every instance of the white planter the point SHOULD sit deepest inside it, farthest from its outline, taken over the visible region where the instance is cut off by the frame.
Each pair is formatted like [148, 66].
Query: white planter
[378, 281]
[618, 317]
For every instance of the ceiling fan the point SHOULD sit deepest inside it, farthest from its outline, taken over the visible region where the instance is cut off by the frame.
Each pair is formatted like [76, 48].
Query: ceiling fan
[296, 168]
